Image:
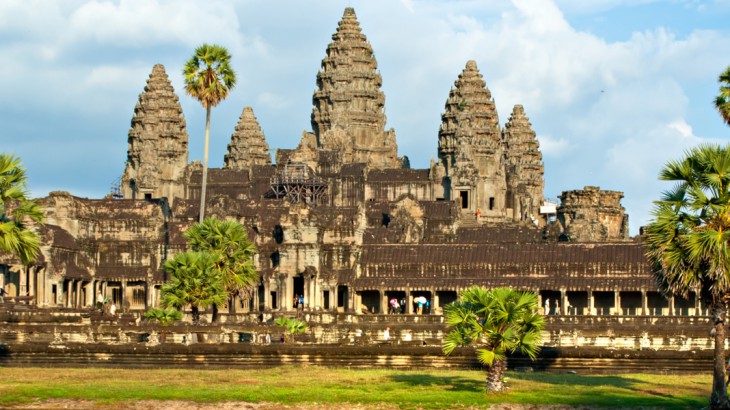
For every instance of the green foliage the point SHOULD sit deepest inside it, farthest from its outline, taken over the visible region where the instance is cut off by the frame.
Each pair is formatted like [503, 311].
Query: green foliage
[233, 252]
[196, 281]
[498, 321]
[208, 78]
[17, 212]
[722, 101]
[292, 326]
[688, 240]
[208, 75]
[164, 317]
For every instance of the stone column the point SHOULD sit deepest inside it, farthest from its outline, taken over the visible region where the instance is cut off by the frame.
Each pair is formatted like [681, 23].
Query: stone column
[591, 303]
[267, 295]
[383, 302]
[436, 301]
[671, 306]
[31, 283]
[23, 281]
[697, 304]
[77, 299]
[357, 302]
[563, 302]
[409, 302]
[644, 303]
[617, 302]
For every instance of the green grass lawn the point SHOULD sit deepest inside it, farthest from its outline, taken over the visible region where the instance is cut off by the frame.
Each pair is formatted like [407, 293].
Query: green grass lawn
[426, 389]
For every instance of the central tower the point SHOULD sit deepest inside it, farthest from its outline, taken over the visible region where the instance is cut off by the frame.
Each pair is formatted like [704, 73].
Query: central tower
[349, 108]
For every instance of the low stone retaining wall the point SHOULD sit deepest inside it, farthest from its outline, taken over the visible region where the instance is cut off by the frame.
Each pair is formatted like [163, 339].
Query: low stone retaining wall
[586, 344]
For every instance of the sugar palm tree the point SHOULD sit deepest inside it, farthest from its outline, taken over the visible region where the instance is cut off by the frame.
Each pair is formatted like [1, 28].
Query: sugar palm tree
[688, 240]
[208, 78]
[195, 281]
[722, 101]
[17, 211]
[497, 321]
[234, 252]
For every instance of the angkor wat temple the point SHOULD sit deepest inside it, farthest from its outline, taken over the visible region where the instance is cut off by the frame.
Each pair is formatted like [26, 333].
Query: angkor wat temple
[342, 218]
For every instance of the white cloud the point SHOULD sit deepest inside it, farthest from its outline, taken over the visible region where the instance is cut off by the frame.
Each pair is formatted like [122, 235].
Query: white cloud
[139, 24]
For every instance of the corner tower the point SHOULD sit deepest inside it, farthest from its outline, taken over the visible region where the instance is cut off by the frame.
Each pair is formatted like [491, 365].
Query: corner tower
[348, 115]
[525, 183]
[470, 147]
[157, 153]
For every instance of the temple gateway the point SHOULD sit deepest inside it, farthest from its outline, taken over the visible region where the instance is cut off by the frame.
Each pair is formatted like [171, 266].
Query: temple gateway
[342, 219]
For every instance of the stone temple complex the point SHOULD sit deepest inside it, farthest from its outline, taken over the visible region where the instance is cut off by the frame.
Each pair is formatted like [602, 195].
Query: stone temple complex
[341, 218]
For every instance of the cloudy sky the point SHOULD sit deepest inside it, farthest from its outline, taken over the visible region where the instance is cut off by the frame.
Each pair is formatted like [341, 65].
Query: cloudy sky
[613, 88]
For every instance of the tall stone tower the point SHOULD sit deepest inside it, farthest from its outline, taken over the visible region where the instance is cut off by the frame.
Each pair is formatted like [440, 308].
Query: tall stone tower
[248, 145]
[157, 153]
[348, 115]
[470, 146]
[525, 183]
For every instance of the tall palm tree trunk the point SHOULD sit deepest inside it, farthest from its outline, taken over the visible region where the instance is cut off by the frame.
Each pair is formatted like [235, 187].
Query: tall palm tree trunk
[205, 164]
[719, 399]
[495, 376]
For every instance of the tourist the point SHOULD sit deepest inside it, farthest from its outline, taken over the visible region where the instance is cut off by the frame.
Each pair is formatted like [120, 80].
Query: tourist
[477, 214]
[113, 309]
[403, 305]
[296, 301]
[568, 308]
[2, 294]
[557, 307]
[394, 306]
[547, 307]
[386, 334]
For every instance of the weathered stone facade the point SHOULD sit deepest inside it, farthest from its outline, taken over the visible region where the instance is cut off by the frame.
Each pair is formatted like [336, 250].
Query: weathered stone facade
[248, 145]
[340, 221]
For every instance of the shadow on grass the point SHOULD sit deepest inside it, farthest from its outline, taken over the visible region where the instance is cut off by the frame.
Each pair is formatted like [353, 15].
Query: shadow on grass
[454, 383]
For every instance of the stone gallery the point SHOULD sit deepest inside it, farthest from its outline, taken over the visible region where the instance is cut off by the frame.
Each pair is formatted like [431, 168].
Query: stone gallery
[342, 219]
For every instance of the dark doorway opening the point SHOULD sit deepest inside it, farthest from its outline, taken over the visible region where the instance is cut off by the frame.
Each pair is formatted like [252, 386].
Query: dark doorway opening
[298, 290]
[464, 195]
[342, 298]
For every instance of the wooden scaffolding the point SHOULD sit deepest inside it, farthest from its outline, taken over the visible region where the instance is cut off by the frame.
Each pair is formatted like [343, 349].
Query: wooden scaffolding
[298, 183]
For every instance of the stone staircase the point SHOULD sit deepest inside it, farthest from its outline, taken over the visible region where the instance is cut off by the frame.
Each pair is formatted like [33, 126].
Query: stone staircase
[468, 220]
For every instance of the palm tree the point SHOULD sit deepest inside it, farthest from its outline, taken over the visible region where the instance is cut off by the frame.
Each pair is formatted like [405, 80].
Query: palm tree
[292, 326]
[499, 321]
[195, 281]
[688, 240]
[164, 317]
[209, 78]
[722, 102]
[16, 211]
[234, 252]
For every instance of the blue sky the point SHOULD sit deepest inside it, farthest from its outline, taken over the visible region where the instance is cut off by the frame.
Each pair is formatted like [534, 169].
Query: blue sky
[613, 88]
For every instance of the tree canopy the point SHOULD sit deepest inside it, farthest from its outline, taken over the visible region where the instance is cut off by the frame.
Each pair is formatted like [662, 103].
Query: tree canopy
[17, 212]
[496, 321]
[195, 281]
[722, 101]
[689, 236]
[209, 78]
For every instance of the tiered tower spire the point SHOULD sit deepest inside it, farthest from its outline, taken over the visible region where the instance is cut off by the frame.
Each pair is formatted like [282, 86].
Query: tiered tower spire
[248, 145]
[348, 114]
[470, 145]
[525, 183]
[157, 153]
